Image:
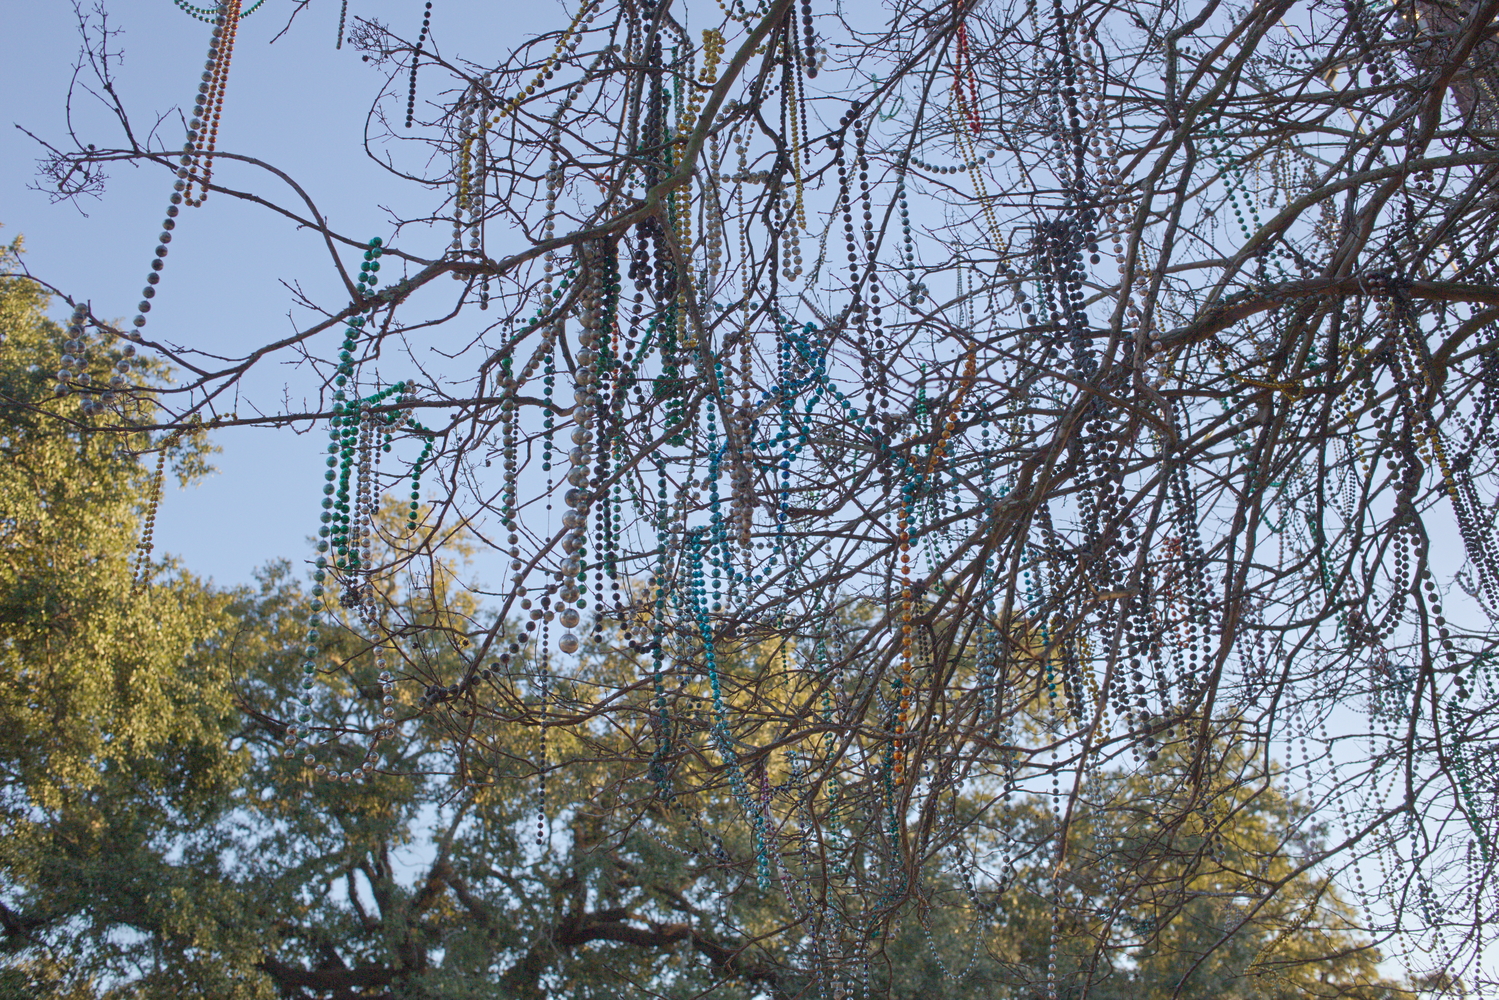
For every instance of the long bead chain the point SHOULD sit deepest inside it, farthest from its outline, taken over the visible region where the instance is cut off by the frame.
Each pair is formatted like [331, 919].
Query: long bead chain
[148, 522]
[210, 108]
[195, 166]
[345, 546]
[73, 373]
[416, 59]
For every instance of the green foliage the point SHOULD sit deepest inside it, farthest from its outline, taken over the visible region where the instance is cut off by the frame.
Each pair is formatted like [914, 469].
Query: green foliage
[114, 698]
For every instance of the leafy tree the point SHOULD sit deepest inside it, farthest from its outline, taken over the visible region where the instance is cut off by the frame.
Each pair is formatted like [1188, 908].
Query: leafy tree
[114, 695]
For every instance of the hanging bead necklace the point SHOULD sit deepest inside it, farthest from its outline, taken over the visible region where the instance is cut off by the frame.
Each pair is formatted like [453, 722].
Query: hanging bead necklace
[209, 15]
[915, 290]
[210, 109]
[543, 707]
[357, 439]
[73, 375]
[148, 523]
[193, 167]
[966, 128]
[697, 606]
[416, 58]
[565, 47]
[809, 52]
[72, 363]
[352, 434]
[470, 151]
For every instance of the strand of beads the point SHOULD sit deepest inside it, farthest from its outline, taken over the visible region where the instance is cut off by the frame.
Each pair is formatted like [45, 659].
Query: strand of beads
[719, 556]
[365, 596]
[367, 278]
[352, 453]
[339, 529]
[697, 606]
[972, 163]
[809, 56]
[869, 302]
[362, 528]
[509, 502]
[714, 237]
[981, 192]
[576, 518]
[793, 112]
[335, 527]
[1464, 765]
[1090, 87]
[610, 392]
[208, 15]
[348, 531]
[509, 385]
[904, 682]
[593, 317]
[914, 289]
[464, 171]
[576, 523]
[73, 374]
[209, 107]
[71, 364]
[416, 472]
[542, 358]
[963, 74]
[658, 587]
[1233, 183]
[117, 380]
[743, 16]
[679, 200]
[980, 926]
[208, 104]
[477, 207]
[965, 112]
[416, 58]
[564, 49]
[148, 524]
[544, 701]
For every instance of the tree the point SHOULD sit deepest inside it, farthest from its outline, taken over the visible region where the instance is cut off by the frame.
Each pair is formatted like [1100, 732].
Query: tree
[844, 531]
[110, 693]
[271, 894]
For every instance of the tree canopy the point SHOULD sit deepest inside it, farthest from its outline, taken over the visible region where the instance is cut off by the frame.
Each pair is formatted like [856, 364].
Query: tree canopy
[896, 595]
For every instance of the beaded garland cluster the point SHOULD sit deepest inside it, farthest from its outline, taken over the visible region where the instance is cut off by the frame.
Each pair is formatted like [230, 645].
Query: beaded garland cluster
[745, 436]
[73, 375]
[360, 431]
